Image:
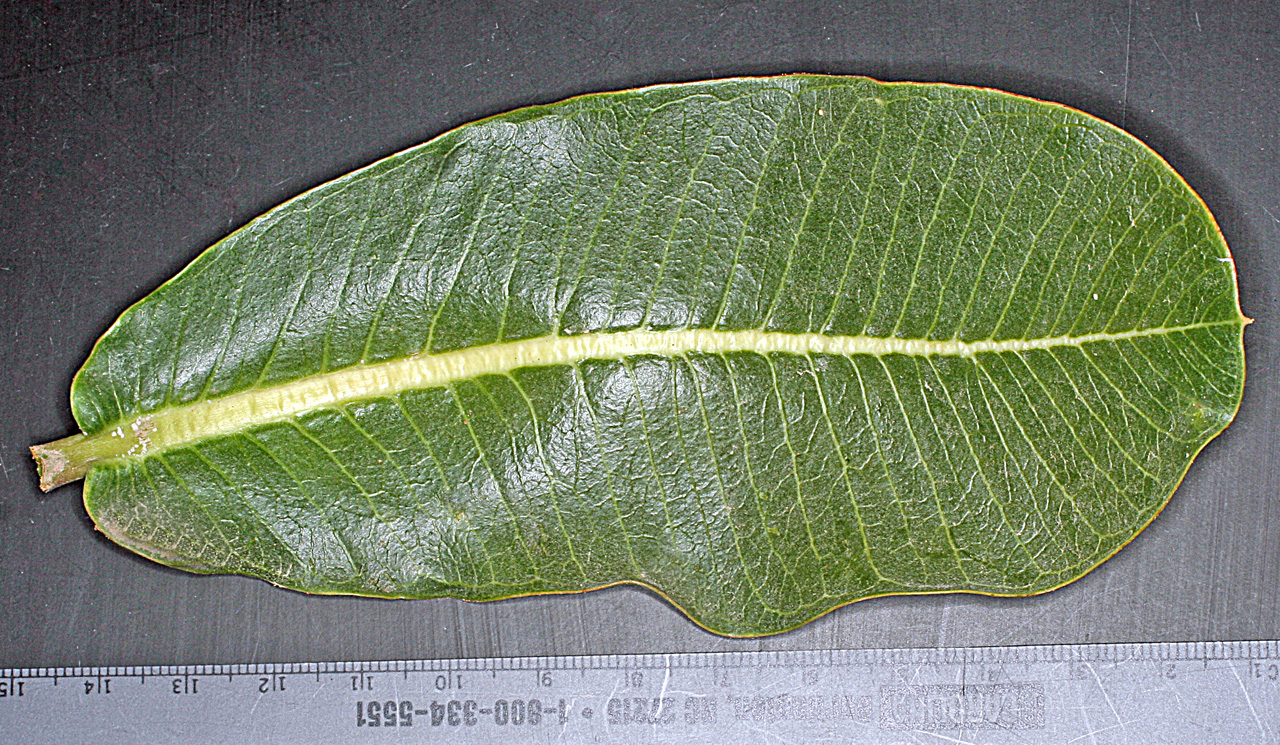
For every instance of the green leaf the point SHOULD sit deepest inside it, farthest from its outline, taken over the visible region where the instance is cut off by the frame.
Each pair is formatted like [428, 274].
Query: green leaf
[768, 346]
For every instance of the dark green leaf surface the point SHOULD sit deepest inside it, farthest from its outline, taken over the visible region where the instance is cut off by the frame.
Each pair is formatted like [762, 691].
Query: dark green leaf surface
[834, 339]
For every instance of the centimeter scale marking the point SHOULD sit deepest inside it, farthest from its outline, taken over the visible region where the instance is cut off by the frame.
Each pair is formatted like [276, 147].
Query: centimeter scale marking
[1166, 693]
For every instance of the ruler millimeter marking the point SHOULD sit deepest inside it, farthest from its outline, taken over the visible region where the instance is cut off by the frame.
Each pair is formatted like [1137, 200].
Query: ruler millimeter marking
[1171, 693]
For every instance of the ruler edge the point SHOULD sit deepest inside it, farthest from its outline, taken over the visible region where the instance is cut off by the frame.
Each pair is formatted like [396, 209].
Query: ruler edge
[1021, 654]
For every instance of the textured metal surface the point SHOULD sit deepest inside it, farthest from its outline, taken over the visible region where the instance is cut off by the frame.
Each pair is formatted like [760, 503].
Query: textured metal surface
[134, 134]
[1176, 694]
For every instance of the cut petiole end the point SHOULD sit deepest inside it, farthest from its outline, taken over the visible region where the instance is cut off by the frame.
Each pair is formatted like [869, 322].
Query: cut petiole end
[63, 461]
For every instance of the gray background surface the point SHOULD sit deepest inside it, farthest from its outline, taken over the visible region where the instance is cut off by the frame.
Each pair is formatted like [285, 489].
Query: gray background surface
[133, 134]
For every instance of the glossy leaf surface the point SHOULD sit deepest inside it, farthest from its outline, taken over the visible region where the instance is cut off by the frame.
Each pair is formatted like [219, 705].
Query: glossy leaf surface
[768, 346]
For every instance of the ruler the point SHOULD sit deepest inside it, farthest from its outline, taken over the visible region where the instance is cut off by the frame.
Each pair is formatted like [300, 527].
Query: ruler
[1193, 693]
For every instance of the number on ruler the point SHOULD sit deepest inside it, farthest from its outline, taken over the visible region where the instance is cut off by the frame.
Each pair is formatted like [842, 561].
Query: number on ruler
[271, 683]
[11, 688]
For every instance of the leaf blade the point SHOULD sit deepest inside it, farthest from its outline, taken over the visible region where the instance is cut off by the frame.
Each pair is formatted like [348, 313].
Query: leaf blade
[543, 258]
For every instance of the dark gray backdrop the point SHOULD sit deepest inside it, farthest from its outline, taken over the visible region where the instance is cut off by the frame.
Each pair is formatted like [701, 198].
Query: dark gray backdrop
[133, 134]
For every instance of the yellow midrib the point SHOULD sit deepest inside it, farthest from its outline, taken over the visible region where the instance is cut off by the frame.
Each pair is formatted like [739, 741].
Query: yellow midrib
[181, 425]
